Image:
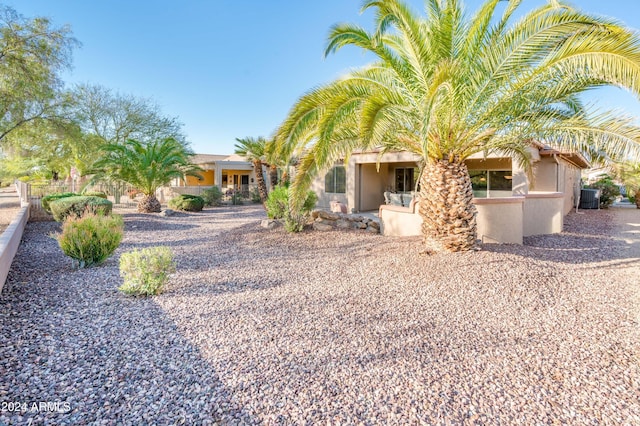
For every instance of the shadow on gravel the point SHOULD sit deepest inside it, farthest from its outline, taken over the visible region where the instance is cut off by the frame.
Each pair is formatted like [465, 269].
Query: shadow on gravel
[70, 339]
[589, 237]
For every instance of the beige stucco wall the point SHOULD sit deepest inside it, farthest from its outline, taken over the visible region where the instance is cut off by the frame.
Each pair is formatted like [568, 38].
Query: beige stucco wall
[396, 223]
[370, 187]
[500, 220]
[543, 213]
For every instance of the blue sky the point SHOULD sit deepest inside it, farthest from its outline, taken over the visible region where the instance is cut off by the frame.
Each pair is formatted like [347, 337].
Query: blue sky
[232, 68]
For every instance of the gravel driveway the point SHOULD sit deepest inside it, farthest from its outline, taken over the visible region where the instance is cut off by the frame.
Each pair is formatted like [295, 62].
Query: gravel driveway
[260, 327]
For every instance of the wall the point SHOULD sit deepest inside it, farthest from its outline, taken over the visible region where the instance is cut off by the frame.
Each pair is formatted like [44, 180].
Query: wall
[543, 213]
[325, 198]
[500, 220]
[370, 187]
[208, 179]
[10, 241]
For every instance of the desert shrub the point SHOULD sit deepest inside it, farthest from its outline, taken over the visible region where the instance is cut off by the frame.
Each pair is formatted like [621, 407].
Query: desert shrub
[277, 202]
[277, 206]
[79, 205]
[90, 239]
[212, 196]
[47, 199]
[255, 196]
[95, 194]
[608, 190]
[186, 202]
[146, 271]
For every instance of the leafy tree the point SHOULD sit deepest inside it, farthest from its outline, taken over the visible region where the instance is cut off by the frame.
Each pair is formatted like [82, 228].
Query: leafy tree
[629, 174]
[253, 149]
[32, 53]
[449, 85]
[146, 166]
[115, 117]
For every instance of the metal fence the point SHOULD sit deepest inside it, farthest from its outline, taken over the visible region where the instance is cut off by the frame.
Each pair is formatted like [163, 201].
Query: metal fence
[124, 196]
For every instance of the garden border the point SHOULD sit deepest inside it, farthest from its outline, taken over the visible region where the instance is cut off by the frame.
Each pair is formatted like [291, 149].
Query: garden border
[10, 241]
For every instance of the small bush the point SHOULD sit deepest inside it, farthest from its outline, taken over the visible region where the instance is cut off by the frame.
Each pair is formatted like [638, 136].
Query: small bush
[95, 194]
[186, 202]
[277, 206]
[90, 239]
[212, 196]
[79, 205]
[47, 199]
[146, 271]
[608, 190]
[255, 196]
[277, 202]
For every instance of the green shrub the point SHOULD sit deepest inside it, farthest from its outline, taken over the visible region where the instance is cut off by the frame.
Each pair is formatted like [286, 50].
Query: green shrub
[608, 190]
[212, 196]
[146, 271]
[95, 194]
[90, 239]
[277, 206]
[79, 205]
[47, 199]
[277, 202]
[186, 202]
[255, 196]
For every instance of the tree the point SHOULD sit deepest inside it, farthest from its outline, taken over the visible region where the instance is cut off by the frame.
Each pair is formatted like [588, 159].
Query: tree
[446, 86]
[146, 166]
[629, 174]
[253, 149]
[32, 53]
[117, 117]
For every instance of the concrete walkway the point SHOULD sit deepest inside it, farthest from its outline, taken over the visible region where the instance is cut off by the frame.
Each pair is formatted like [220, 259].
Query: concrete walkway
[9, 206]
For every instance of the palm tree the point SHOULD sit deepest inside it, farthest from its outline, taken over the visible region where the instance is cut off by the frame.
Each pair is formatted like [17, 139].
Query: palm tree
[629, 174]
[146, 166]
[446, 86]
[253, 149]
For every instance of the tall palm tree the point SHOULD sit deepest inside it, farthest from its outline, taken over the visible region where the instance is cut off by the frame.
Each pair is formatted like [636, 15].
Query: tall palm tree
[446, 86]
[253, 149]
[146, 166]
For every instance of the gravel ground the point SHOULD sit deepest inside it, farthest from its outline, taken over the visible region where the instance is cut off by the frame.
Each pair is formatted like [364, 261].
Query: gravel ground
[260, 327]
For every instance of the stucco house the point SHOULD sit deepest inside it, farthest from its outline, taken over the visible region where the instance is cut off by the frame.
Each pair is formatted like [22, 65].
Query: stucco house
[511, 204]
[229, 172]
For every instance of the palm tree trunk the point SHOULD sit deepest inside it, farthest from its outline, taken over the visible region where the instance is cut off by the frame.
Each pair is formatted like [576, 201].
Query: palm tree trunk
[149, 204]
[448, 215]
[273, 176]
[262, 186]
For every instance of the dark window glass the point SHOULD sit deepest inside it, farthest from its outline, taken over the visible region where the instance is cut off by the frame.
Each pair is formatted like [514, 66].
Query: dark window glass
[335, 181]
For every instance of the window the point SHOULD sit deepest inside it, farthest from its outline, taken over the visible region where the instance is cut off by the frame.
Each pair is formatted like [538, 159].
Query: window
[336, 180]
[405, 179]
[487, 183]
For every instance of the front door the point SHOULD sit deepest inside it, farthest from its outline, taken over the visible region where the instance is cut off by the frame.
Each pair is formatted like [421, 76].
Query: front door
[244, 181]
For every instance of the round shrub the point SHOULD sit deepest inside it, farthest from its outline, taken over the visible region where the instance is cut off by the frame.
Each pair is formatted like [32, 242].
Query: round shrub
[47, 199]
[186, 202]
[95, 194]
[90, 239]
[146, 271]
[79, 205]
[277, 204]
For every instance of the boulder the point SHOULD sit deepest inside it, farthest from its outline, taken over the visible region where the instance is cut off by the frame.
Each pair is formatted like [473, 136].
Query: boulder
[322, 226]
[270, 223]
[168, 212]
[328, 215]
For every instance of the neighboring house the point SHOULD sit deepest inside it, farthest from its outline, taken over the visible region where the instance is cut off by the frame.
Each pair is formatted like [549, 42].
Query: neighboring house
[228, 172]
[510, 203]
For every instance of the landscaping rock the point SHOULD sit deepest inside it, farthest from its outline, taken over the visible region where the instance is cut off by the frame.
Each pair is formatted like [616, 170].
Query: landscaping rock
[328, 215]
[270, 223]
[322, 226]
[168, 213]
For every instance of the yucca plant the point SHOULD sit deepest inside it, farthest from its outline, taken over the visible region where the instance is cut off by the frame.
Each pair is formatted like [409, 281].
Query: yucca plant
[447, 85]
